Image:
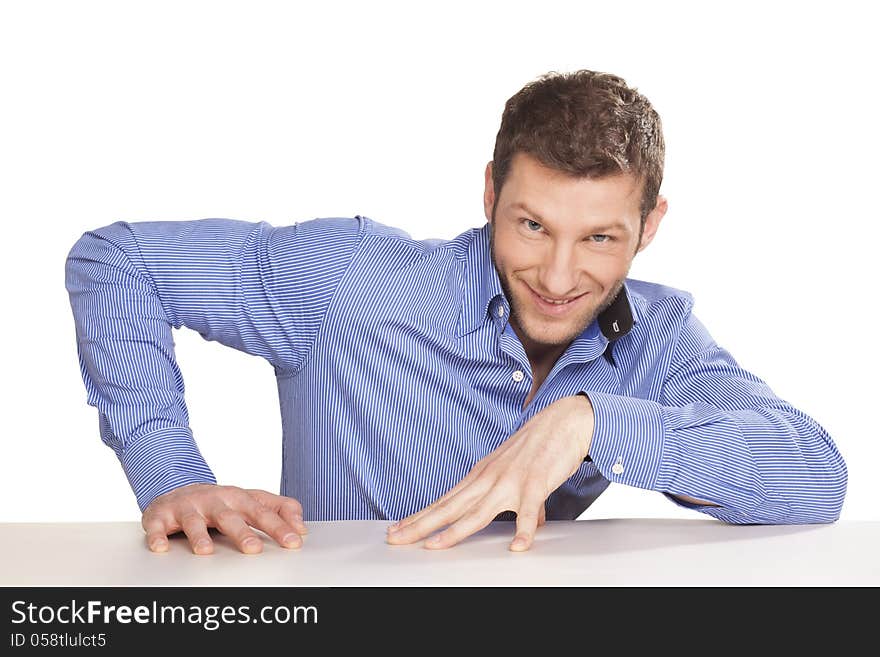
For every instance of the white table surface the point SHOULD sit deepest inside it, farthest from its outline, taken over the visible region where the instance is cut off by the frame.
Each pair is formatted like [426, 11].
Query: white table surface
[606, 552]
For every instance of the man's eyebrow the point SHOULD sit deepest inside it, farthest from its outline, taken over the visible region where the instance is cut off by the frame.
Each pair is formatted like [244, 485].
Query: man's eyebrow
[616, 225]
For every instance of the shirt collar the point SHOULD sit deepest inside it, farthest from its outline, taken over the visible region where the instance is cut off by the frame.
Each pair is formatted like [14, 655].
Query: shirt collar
[482, 287]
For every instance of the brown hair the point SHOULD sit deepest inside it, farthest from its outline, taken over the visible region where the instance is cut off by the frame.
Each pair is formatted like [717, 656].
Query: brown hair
[584, 123]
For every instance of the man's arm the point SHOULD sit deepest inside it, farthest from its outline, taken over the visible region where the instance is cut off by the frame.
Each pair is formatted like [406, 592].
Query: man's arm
[719, 441]
[251, 286]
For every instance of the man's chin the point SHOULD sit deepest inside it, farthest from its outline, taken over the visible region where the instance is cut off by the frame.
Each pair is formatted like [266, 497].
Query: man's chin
[559, 337]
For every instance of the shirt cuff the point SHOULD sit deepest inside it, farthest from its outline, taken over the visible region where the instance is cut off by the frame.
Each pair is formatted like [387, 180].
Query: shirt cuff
[161, 461]
[630, 444]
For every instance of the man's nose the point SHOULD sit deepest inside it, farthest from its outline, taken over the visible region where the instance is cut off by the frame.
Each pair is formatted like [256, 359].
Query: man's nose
[559, 277]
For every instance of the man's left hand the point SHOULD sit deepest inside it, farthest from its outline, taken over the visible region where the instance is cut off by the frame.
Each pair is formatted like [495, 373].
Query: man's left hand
[518, 476]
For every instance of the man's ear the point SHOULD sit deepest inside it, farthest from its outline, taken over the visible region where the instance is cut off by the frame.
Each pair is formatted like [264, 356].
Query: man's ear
[489, 193]
[652, 222]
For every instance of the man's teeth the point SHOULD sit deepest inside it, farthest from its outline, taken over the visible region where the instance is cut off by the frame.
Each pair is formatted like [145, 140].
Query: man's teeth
[555, 303]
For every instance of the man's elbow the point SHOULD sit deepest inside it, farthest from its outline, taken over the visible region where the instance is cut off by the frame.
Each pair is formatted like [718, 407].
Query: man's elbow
[835, 493]
[818, 504]
[829, 498]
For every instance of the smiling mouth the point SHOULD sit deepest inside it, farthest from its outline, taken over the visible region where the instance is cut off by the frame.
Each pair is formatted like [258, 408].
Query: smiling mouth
[559, 302]
[555, 306]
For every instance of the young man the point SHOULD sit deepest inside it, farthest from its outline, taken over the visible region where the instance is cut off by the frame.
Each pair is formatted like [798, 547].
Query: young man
[512, 370]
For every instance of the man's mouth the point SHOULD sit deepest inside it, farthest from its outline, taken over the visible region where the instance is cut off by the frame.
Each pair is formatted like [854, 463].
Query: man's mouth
[555, 306]
[554, 301]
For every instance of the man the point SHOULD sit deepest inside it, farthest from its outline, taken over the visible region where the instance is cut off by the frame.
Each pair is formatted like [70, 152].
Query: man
[513, 371]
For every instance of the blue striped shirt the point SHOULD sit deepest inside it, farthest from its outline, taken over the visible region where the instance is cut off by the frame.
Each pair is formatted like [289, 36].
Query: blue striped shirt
[397, 370]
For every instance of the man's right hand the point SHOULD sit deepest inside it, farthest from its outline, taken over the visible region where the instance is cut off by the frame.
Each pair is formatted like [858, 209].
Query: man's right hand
[231, 510]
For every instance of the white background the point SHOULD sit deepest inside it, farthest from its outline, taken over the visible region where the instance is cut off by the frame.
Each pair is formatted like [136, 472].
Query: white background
[283, 111]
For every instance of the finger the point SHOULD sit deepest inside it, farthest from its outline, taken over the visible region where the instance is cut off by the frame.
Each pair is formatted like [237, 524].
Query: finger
[268, 520]
[438, 517]
[231, 522]
[543, 517]
[452, 492]
[431, 508]
[196, 530]
[473, 521]
[527, 521]
[288, 508]
[277, 502]
[294, 519]
[157, 535]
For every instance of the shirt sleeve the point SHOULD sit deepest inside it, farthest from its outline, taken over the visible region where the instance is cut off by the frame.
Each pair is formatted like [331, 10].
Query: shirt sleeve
[719, 434]
[257, 288]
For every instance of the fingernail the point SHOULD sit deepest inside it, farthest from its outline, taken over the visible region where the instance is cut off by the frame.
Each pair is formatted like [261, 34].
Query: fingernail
[158, 544]
[250, 542]
[291, 539]
[202, 545]
[434, 540]
[393, 528]
[518, 543]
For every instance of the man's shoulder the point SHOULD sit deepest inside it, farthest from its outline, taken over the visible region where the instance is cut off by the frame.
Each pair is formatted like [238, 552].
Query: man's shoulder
[392, 237]
[648, 297]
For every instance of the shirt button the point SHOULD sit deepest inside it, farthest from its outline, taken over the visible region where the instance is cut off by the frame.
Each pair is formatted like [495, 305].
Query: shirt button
[500, 310]
[518, 376]
[617, 468]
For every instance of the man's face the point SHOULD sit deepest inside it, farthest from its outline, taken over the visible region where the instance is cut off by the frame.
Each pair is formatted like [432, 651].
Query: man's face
[562, 247]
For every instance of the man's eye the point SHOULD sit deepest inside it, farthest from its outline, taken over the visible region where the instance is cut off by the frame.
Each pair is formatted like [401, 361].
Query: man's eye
[534, 226]
[607, 238]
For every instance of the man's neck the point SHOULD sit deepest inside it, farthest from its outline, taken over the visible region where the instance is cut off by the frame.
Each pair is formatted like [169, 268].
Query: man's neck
[541, 357]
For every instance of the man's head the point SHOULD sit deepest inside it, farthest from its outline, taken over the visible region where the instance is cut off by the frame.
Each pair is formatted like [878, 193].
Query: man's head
[572, 194]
